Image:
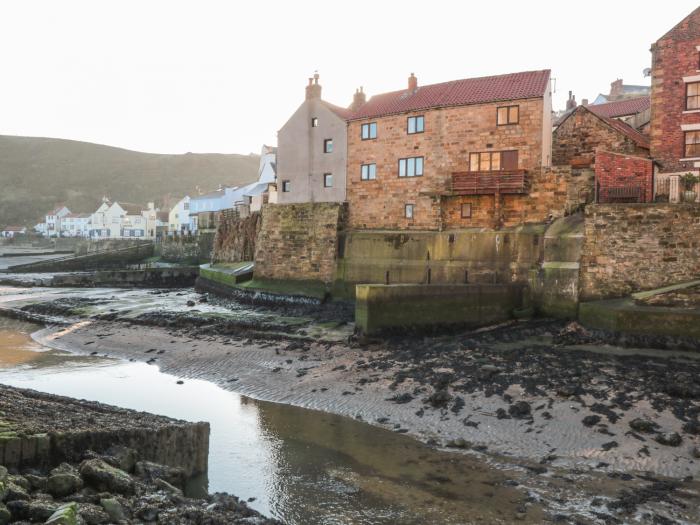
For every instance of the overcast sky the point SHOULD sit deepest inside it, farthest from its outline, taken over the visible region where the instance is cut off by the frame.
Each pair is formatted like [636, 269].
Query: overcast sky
[171, 76]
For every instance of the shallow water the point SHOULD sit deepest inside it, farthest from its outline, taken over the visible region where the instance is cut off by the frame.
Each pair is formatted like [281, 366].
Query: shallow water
[302, 466]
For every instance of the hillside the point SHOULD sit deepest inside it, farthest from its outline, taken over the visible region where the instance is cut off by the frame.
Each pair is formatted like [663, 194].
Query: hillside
[37, 173]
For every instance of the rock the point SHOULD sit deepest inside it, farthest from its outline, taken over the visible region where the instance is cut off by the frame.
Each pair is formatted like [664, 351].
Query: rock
[126, 457]
[692, 427]
[502, 414]
[151, 471]
[103, 477]
[63, 481]
[93, 514]
[5, 515]
[14, 492]
[695, 452]
[167, 487]
[643, 425]
[148, 514]
[670, 439]
[520, 409]
[37, 482]
[40, 511]
[457, 443]
[113, 509]
[609, 445]
[190, 303]
[439, 399]
[20, 481]
[65, 515]
[591, 420]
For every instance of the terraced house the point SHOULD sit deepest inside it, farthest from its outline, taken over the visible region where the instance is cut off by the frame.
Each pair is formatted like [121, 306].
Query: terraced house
[449, 155]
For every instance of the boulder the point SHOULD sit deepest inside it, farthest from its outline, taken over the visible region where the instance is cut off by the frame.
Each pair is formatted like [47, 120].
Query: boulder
[151, 471]
[124, 457]
[113, 509]
[104, 477]
[37, 482]
[14, 492]
[671, 439]
[5, 515]
[63, 481]
[643, 425]
[520, 409]
[93, 514]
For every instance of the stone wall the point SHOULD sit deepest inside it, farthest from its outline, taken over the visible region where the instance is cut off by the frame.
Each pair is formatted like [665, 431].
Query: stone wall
[634, 247]
[617, 172]
[235, 237]
[582, 133]
[191, 249]
[450, 135]
[299, 241]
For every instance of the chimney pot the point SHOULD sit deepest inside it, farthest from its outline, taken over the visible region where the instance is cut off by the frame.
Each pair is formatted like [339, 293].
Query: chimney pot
[412, 82]
[358, 100]
[313, 90]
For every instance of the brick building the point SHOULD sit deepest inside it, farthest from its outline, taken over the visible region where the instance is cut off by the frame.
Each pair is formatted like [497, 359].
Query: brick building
[586, 129]
[447, 155]
[675, 98]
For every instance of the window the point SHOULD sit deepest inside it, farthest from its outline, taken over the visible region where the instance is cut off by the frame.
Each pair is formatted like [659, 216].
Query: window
[286, 186]
[314, 122]
[692, 144]
[507, 115]
[493, 161]
[408, 211]
[186, 205]
[368, 172]
[369, 131]
[466, 210]
[327, 180]
[692, 95]
[328, 146]
[411, 167]
[416, 125]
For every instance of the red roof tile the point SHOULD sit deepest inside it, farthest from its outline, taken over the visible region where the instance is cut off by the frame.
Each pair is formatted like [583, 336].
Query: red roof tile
[513, 86]
[621, 108]
[343, 113]
[640, 140]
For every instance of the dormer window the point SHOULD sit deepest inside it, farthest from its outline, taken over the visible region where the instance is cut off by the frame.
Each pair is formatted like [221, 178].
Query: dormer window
[416, 125]
[314, 122]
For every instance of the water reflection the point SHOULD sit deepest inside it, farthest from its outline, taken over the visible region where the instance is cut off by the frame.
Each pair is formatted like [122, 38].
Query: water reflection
[304, 467]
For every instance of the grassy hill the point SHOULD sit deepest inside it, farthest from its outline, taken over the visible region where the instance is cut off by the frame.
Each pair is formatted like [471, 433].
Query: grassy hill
[38, 173]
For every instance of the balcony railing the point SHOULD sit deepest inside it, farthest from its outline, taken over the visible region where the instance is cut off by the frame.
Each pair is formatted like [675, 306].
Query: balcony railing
[488, 182]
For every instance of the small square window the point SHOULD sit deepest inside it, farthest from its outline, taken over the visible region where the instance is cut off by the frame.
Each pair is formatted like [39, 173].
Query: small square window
[328, 146]
[416, 125]
[369, 131]
[507, 115]
[466, 210]
[368, 172]
[327, 180]
[314, 122]
[286, 186]
[408, 211]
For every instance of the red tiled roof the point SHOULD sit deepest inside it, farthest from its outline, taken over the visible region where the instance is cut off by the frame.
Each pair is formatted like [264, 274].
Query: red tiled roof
[640, 140]
[513, 86]
[343, 113]
[620, 108]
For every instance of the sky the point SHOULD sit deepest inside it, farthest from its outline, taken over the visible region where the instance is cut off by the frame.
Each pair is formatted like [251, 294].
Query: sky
[170, 76]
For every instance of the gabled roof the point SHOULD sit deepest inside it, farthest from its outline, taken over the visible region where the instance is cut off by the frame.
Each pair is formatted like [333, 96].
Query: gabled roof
[56, 210]
[344, 113]
[513, 86]
[639, 139]
[621, 108]
[695, 12]
[131, 208]
[210, 195]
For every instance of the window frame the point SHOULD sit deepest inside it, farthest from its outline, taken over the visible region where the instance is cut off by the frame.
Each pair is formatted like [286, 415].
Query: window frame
[491, 154]
[405, 161]
[314, 122]
[326, 143]
[412, 207]
[508, 122]
[469, 207]
[369, 126]
[369, 171]
[415, 119]
[286, 185]
[326, 176]
[696, 97]
[686, 153]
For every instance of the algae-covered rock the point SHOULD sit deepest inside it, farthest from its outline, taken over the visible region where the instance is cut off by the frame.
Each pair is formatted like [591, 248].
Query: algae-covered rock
[14, 492]
[65, 515]
[104, 477]
[5, 515]
[93, 514]
[151, 471]
[113, 509]
[63, 481]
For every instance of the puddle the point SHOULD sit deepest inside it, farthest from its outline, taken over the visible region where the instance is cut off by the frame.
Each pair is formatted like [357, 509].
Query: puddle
[302, 466]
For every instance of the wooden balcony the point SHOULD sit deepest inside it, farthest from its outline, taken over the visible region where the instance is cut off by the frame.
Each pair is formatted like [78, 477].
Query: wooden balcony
[488, 182]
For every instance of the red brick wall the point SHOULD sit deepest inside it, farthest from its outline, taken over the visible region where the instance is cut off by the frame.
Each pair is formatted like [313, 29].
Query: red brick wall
[450, 135]
[578, 137]
[674, 56]
[614, 171]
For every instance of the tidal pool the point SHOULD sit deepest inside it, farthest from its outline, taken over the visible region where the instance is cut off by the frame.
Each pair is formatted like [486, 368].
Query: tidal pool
[301, 466]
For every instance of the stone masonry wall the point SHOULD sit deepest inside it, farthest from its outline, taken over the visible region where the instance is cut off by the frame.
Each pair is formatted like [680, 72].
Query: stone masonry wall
[450, 135]
[577, 138]
[614, 172]
[235, 238]
[673, 57]
[634, 247]
[299, 241]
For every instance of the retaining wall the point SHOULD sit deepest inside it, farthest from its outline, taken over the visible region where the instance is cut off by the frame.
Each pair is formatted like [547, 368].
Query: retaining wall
[235, 238]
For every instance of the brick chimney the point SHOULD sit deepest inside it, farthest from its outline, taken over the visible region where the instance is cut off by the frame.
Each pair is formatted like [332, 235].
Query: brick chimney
[571, 103]
[412, 82]
[358, 99]
[616, 88]
[584, 102]
[313, 90]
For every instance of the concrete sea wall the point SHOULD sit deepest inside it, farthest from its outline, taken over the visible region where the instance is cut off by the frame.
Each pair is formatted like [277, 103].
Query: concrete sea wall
[186, 249]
